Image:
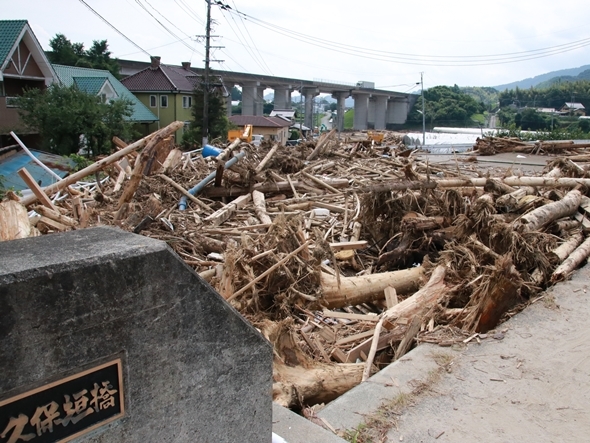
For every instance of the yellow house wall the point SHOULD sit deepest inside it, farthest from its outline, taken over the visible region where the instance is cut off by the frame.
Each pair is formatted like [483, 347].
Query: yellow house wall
[167, 115]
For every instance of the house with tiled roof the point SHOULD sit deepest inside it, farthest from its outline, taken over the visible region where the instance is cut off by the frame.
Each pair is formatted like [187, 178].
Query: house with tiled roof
[273, 128]
[104, 84]
[573, 108]
[23, 64]
[166, 90]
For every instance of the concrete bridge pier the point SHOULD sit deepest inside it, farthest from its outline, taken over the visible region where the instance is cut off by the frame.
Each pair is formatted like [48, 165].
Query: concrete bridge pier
[228, 100]
[380, 112]
[397, 111]
[309, 94]
[361, 110]
[340, 108]
[249, 94]
[282, 98]
[259, 100]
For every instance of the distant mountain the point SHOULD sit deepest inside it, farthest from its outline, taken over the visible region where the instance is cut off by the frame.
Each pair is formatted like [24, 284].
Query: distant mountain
[535, 81]
[585, 75]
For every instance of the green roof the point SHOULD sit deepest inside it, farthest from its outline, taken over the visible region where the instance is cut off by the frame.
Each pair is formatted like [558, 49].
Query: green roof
[70, 75]
[10, 30]
[90, 85]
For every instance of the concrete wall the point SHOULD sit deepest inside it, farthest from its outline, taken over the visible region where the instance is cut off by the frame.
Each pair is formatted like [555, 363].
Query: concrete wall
[194, 370]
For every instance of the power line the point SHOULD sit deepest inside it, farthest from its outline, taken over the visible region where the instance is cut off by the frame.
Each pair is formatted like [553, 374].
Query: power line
[166, 28]
[252, 40]
[415, 59]
[113, 27]
[246, 46]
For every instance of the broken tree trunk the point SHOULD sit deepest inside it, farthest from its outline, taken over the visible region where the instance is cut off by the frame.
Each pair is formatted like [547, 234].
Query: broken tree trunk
[495, 297]
[266, 188]
[511, 200]
[260, 207]
[101, 164]
[429, 294]
[266, 159]
[411, 307]
[564, 250]
[564, 182]
[572, 262]
[320, 145]
[355, 290]
[298, 379]
[544, 215]
[14, 221]
[144, 163]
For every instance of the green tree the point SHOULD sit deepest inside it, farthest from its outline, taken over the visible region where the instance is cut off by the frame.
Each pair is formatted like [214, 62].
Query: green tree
[218, 121]
[236, 94]
[267, 108]
[584, 125]
[446, 105]
[64, 52]
[67, 119]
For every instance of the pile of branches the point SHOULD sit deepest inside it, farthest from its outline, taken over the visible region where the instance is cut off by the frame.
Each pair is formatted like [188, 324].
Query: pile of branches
[344, 255]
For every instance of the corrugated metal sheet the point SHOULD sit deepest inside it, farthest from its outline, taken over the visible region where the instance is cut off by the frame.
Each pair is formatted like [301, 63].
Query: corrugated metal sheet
[10, 165]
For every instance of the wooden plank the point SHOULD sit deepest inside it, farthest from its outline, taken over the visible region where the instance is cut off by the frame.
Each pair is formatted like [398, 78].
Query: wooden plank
[355, 337]
[53, 224]
[346, 315]
[338, 355]
[332, 208]
[390, 296]
[14, 221]
[37, 191]
[223, 214]
[365, 346]
[342, 246]
[55, 215]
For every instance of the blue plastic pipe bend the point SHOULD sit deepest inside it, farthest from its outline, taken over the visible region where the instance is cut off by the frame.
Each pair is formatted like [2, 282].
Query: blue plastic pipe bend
[182, 204]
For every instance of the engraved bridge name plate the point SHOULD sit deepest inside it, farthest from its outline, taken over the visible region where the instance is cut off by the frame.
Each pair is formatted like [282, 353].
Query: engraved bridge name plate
[66, 408]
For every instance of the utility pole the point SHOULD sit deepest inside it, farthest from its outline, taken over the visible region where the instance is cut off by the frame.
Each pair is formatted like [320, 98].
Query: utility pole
[205, 128]
[423, 114]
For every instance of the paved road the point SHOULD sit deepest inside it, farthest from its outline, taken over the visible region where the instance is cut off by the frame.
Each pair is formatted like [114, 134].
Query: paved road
[326, 120]
[533, 386]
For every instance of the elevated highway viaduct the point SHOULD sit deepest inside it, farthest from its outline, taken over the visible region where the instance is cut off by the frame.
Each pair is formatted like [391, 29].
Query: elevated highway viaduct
[373, 108]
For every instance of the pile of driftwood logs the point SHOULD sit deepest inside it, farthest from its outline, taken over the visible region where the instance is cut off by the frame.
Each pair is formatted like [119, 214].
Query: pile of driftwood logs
[344, 254]
[497, 145]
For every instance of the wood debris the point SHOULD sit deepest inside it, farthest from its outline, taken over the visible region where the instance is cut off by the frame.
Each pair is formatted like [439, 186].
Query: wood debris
[345, 252]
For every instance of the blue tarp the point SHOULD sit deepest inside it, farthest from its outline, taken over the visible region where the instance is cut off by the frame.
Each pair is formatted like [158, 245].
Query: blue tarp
[10, 165]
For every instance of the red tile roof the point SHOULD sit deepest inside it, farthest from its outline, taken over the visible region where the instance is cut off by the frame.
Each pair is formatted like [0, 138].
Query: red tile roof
[163, 78]
[260, 121]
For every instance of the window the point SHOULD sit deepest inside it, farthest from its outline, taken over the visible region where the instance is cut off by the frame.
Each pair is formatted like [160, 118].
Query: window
[187, 101]
[11, 102]
[163, 101]
[153, 102]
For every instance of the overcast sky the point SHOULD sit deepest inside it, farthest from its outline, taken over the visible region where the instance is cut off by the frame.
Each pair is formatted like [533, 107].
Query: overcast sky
[388, 42]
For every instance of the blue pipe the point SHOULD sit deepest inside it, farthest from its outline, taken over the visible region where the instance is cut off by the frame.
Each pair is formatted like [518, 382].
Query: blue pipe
[182, 204]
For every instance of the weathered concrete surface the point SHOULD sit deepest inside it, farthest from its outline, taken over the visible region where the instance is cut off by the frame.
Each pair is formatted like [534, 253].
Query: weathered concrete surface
[348, 410]
[194, 369]
[297, 429]
[530, 384]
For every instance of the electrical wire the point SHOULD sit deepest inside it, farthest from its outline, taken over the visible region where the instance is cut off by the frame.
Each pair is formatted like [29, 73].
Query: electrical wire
[166, 28]
[252, 40]
[423, 60]
[246, 46]
[114, 28]
[190, 12]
